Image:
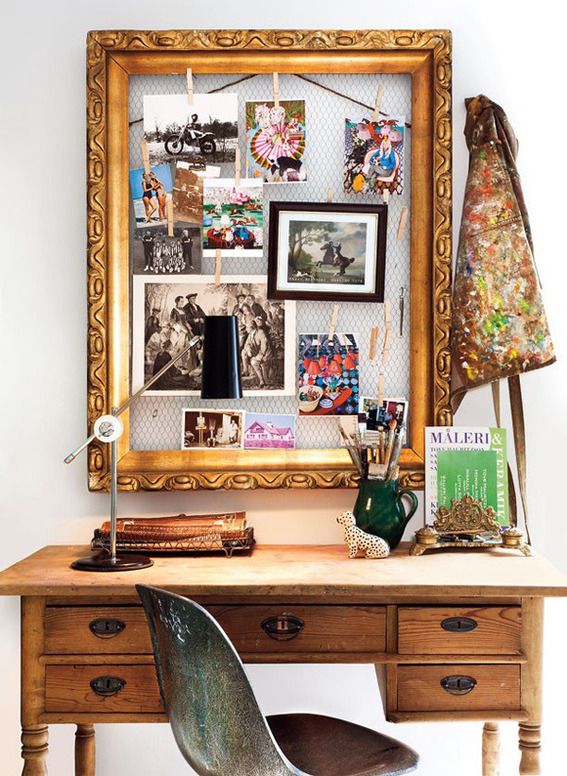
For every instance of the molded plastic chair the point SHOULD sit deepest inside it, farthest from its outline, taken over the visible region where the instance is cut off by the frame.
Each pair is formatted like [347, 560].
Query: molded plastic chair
[217, 722]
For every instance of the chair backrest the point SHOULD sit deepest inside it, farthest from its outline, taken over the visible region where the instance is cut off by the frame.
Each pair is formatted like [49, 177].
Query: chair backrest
[215, 718]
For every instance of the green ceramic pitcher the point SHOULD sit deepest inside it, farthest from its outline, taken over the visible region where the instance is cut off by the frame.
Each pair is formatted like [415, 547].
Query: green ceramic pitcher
[379, 509]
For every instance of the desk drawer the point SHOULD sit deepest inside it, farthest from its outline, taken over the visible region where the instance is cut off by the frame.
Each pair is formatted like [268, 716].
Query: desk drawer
[253, 629]
[290, 628]
[458, 687]
[459, 630]
[134, 689]
[94, 630]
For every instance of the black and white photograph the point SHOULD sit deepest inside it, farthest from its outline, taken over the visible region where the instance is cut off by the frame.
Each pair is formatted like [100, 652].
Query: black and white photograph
[156, 253]
[187, 196]
[211, 429]
[201, 133]
[169, 311]
[327, 252]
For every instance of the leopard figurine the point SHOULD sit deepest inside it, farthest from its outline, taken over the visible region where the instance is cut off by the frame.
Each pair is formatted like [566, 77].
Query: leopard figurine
[358, 540]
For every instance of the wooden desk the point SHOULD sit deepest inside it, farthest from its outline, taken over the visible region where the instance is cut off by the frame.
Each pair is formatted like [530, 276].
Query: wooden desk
[453, 636]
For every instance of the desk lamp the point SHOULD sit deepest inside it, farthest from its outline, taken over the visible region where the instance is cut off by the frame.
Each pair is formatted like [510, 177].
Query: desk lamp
[220, 380]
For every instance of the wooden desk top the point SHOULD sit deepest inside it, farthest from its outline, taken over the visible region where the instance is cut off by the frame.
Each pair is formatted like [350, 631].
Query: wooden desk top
[295, 571]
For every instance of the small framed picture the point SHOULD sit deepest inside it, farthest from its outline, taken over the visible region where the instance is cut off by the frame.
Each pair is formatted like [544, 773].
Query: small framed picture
[327, 251]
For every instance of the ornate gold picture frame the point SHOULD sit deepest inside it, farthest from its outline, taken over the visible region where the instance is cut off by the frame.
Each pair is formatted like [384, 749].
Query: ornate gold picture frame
[112, 56]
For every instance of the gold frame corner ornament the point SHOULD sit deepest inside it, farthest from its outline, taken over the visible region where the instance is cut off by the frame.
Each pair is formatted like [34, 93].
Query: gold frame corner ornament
[113, 55]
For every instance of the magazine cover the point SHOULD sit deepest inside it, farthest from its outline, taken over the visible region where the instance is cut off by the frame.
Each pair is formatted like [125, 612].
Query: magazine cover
[466, 460]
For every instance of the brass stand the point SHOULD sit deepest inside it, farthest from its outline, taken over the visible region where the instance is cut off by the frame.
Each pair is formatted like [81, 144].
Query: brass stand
[467, 523]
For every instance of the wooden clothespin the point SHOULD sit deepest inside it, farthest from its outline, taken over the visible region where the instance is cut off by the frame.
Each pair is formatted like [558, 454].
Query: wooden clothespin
[386, 196]
[402, 223]
[373, 343]
[190, 95]
[276, 81]
[378, 102]
[330, 195]
[145, 156]
[388, 331]
[333, 321]
[237, 167]
[169, 207]
[218, 266]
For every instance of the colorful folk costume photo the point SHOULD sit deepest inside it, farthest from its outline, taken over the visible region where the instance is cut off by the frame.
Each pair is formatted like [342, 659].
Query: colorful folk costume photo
[499, 326]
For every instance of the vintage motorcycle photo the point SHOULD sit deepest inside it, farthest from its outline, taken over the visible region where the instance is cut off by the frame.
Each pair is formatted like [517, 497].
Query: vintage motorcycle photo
[191, 136]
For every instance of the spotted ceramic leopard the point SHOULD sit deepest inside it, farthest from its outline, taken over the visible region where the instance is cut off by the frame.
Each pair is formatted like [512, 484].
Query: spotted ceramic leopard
[358, 540]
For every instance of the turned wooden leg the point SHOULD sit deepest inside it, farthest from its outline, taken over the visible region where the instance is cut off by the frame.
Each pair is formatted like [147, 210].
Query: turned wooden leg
[532, 647]
[85, 750]
[34, 750]
[490, 749]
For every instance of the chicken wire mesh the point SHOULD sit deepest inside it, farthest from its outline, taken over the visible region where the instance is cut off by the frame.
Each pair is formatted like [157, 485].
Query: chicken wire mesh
[155, 421]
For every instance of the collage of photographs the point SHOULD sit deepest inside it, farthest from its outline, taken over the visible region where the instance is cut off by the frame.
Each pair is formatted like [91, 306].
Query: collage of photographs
[186, 209]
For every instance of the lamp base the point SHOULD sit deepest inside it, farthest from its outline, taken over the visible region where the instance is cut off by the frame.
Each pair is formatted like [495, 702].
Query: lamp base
[102, 561]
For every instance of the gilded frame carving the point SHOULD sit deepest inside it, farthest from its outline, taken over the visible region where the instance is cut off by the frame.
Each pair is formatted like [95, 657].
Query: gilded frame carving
[111, 57]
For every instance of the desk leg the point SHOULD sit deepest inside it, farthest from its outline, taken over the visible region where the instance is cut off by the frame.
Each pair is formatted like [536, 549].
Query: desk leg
[34, 750]
[532, 647]
[34, 734]
[490, 749]
[85, 750]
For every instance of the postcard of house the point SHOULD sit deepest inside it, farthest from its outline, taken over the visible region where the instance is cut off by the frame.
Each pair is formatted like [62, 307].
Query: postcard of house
[265, 430]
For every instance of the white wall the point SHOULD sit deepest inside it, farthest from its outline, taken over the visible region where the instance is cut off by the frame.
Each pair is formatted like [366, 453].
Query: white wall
[507, 50]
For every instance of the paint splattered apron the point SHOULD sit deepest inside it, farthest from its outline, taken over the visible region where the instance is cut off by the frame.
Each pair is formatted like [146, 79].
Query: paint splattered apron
[499, 327]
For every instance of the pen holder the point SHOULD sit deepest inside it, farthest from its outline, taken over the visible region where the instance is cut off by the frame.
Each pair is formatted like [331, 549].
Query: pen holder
[380, 510]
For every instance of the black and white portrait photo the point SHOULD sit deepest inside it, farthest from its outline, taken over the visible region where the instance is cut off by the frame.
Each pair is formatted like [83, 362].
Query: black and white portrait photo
[157, 253]
[169, 311]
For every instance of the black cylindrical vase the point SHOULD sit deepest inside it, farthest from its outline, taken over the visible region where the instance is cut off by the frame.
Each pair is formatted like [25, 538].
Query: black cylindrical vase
[221, 358]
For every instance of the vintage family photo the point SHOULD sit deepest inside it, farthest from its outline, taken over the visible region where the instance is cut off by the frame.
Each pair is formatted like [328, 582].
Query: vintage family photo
[154, 251]
[150, 192]
[233, 217]
[169, 311]
[328, 374]
[275, 141]
[211, 429]
[327, 251]
[187, 196]
[374, 156]
[205, 132]
[269, 431]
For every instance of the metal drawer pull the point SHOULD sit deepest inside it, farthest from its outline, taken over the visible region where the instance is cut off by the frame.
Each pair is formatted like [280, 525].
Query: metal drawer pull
[107, 685]
[105, 628]
[282, 627]
[458, 685]
[459, 624]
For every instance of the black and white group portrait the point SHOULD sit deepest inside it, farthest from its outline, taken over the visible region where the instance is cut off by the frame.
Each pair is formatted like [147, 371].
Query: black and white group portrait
[155, 252]
[169, 312]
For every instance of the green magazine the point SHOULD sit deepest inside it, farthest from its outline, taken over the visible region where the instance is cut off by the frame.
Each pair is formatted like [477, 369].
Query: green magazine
[469, 461]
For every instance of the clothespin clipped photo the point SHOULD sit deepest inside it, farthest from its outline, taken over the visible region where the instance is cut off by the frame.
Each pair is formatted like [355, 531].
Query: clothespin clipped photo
[276, 84]
[145, 156]
[378, 102]
[373, 343]
[218, 266]
[237, 167]
[190, 96]
[169, 207]
[402, 224]
[333, 321]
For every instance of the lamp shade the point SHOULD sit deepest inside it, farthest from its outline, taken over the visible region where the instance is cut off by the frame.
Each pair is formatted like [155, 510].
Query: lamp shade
[221, 358]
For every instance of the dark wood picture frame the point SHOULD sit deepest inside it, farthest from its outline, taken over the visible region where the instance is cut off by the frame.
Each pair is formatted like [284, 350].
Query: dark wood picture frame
[377, 295]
